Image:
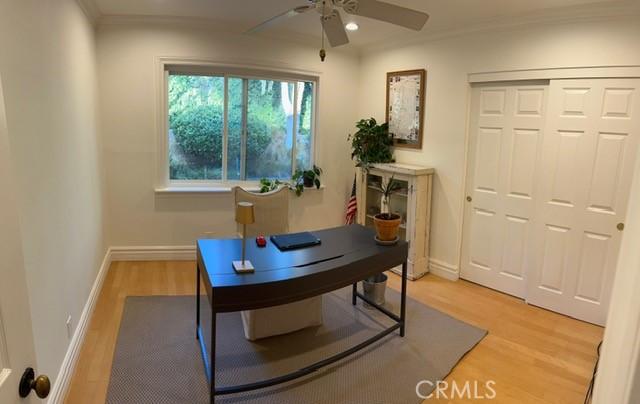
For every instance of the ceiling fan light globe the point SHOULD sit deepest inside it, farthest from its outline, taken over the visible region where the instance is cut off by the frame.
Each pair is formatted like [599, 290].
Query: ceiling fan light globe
[351, 26]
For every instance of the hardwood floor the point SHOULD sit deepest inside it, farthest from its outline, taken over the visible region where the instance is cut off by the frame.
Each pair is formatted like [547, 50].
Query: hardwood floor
[532, 355]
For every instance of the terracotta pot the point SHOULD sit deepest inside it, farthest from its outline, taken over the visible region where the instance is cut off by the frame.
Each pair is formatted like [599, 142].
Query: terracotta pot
[387, 228]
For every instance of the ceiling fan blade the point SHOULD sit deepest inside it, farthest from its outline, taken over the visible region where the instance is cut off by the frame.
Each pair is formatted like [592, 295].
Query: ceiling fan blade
[334, 28]
[391, 13]
[274, 20]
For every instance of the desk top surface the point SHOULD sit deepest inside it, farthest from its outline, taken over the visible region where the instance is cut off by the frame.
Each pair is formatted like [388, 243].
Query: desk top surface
[339, 248]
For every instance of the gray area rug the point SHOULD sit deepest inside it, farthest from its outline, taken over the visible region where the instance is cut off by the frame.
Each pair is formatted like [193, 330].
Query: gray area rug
[157, 358]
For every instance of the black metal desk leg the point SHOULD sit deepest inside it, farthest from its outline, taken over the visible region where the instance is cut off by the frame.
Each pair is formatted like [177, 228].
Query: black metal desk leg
[353, 293]
[197, 299]
[212, 363]
[403, 299]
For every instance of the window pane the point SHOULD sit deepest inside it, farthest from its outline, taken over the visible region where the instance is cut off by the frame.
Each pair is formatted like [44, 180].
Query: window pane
[269, 129]
[304, 137]
[195, 127]
[234, 128]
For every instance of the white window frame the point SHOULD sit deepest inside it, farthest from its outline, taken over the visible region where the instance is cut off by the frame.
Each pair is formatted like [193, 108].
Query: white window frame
[189, 66]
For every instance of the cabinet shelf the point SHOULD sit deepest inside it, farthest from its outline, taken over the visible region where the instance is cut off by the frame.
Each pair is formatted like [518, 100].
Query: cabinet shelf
[412, 206]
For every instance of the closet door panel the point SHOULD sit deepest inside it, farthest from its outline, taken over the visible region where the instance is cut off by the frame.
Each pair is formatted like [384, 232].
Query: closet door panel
[587, 162]
[505, 140]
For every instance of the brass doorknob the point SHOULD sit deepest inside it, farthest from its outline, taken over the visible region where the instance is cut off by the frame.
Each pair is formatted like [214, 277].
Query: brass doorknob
[28, 382]
[620, 226]
[469, 199]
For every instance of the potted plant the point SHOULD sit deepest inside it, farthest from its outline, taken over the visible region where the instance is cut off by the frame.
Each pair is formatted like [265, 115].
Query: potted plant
[386, 222]
[310, 178]
[371, 143]
[387, 225]
[300, 180]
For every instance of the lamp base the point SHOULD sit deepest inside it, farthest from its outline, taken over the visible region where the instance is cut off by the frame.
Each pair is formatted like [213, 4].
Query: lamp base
[240, 268]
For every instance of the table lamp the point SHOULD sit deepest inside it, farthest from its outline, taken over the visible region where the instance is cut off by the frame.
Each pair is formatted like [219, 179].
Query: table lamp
[244, 216]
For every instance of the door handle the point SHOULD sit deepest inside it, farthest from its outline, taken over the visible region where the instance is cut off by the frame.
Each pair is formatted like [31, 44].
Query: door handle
[620, 226]
[469, 199]
[29, 382]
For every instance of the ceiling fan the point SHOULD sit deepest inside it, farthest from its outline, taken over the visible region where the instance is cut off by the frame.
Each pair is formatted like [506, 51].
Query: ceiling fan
[331, 20]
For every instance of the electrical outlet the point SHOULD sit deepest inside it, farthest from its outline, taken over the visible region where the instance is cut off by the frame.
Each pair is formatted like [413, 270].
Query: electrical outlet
[69, 328]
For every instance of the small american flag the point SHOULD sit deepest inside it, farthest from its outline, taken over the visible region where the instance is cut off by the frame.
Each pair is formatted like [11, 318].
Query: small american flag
[352, 206]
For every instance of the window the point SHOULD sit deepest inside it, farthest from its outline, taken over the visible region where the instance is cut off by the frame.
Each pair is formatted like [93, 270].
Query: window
[231, 127]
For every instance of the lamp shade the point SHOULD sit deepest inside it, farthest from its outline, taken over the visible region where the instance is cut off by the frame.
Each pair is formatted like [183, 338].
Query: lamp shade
[244, 213]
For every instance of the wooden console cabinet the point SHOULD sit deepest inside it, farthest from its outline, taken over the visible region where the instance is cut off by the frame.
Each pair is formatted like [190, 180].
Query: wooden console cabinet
[412, 202]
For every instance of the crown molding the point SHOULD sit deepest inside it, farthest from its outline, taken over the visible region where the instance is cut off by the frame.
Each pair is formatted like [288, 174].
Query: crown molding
[218, 26]
[625, 10]
[91, 10]
[142, 19]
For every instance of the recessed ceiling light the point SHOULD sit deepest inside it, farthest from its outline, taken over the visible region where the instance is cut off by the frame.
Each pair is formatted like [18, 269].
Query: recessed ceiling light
[352, 26]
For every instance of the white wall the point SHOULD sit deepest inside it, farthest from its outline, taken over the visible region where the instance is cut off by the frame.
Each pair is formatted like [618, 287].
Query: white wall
[127, 55]
[448, 62]
[47, 62]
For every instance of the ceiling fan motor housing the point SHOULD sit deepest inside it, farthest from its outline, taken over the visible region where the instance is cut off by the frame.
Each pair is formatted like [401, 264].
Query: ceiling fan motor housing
[327, 7]
[350, 6]
[333, 26]
[324, 7]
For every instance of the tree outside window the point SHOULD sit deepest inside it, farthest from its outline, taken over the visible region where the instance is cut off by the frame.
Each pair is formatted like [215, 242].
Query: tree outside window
[278, 114]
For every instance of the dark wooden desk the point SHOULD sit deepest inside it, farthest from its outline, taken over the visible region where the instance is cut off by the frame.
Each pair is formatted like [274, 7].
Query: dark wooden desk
[348, 254]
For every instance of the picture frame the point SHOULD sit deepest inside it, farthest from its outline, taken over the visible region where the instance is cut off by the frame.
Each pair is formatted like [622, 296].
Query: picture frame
[405, 107]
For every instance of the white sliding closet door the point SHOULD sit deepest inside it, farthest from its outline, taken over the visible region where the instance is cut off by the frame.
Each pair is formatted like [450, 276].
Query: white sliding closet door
[588, 155]
[505, 139]
[548, 180]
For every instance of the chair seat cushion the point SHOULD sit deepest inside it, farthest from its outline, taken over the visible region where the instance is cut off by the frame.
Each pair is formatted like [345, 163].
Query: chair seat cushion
[277, 320]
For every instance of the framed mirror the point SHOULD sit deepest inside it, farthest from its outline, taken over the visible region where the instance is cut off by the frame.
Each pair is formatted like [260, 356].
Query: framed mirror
[405, 107]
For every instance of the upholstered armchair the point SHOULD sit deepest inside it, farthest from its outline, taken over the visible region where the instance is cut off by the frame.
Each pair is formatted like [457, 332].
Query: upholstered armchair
[272, 217]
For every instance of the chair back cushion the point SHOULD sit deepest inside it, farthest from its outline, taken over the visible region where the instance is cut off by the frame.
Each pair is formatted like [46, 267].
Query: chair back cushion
[271, 211]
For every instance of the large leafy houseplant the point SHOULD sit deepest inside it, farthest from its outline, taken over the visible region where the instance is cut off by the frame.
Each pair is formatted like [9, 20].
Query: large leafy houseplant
[371, 143]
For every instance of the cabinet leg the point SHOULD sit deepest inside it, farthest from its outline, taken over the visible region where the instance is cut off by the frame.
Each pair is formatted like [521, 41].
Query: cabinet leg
[403, 299]
[354, 290]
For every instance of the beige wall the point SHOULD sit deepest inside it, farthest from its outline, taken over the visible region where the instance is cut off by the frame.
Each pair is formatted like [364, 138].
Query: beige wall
[127, 56]
[448, 62]
[47, 63]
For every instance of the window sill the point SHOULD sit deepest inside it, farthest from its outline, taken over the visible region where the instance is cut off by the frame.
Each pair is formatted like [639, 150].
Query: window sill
[222, 189]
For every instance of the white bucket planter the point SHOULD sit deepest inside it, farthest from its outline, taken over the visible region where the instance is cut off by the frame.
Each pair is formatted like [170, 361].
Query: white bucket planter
[374, 288]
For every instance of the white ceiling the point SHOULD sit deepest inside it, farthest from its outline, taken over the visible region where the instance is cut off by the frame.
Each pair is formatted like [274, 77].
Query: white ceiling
[240, 15]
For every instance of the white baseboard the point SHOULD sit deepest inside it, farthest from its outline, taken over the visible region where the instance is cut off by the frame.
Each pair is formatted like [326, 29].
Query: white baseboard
[154, 253]
[444, 270]
[150, 253]
[61, 382]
